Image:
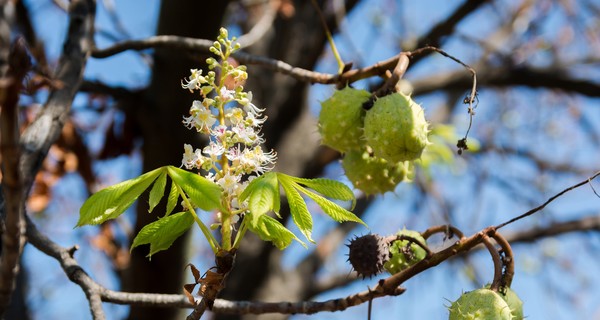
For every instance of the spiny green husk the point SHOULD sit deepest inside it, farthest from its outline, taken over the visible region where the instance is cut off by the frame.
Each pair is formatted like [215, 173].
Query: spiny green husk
[403, 255]
[373, 175]
[341, 119]
[480, 304]
[512, 299]
[396, 128]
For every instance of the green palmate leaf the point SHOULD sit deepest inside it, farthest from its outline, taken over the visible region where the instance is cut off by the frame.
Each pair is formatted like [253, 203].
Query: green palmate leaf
[272, 230]
[203, 193]
[300, 214]
[161, 233]
[327, 187]
[157, 191]
[263, 195]
[332, 209]
[172, 199]
[111, 202]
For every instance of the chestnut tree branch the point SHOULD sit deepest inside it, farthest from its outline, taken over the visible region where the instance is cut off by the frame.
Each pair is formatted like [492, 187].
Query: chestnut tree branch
[503, 76]
[384, 287]
[23, 158]
[543, 205]
[13, 238]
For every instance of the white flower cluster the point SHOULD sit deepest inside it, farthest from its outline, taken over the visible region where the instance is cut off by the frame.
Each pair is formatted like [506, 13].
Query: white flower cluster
[226, 113]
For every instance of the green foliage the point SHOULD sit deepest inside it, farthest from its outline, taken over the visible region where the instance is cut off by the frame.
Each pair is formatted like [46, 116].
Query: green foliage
[157, 192]
[228, 172]
[269, 229]
[203, 193]
[263, 196]
[161, 233]
[113, 201]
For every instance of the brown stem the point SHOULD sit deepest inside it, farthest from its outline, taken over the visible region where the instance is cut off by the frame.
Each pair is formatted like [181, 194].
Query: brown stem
[496, 283]
[507, 260]
[448, 230]
[410, 239]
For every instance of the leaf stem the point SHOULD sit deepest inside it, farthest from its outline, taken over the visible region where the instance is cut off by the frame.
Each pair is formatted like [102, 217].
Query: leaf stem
[240, 234]
[205, 230]
[334, 49]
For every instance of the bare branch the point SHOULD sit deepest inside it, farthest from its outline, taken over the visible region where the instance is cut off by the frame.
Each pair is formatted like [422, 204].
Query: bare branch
[38, 138]
[98, 87]
[45, 130]
[13, 238]
[261, 27]
[70, 266]
[542, 206]
[504, 76]
[446, 27]
[591, 223]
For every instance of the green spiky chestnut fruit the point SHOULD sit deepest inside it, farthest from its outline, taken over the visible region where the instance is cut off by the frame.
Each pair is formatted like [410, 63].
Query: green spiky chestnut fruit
[404, 253]
[367, 254]
[373, 175]
[341, 119]
[396, 128]
[480, 304]
[514, 302]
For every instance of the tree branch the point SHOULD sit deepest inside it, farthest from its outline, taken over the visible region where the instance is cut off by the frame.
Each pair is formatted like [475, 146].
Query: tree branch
[543, 205]
[46, 128]
[70, 266]
[385, 287]
[38, 138]
[591, 223]
[504, 76]
[13, 229]
[439, 31]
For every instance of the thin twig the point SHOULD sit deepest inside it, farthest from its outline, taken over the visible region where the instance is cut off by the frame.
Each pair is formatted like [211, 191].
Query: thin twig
[202, 45]
[448, 230]
[497, 263]
[542, 206]
[334, 49]
[508, 260]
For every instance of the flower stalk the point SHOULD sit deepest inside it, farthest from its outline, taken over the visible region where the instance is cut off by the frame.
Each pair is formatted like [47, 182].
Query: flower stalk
[225, 112]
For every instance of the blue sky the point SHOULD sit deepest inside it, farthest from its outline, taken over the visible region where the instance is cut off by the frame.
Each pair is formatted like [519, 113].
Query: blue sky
[374, 25]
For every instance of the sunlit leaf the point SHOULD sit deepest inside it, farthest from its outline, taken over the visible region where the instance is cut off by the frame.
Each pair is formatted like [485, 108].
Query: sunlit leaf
[203, 193]
[111, 202]
[263, 195]
[327, 187]
[157, 191]
[162, 233]
[332, 209]
[300, 214]
[172, 199]
[269, 229]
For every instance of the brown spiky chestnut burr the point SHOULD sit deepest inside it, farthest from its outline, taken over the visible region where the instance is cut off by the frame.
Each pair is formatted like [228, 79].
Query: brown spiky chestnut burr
[368, 254]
